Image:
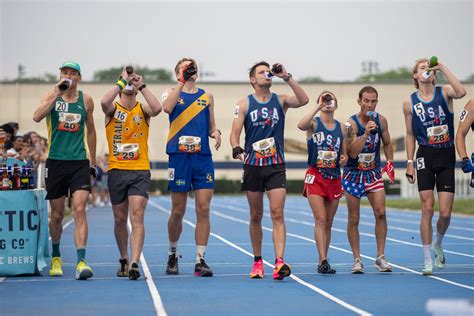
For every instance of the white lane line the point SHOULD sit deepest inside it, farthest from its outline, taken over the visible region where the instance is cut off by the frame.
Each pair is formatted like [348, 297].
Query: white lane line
[289, 219]
[415, 221]
[348, 252]
[306, 211]
[155, 295]
[297, 279]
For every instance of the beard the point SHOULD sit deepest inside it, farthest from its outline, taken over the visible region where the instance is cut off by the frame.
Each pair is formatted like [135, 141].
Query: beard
[265, 85]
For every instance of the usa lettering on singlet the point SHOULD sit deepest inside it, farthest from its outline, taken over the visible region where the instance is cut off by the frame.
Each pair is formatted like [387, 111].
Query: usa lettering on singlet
[264, 132]
[432, 122]
[189, 125]
[324, 149]
[366, 166]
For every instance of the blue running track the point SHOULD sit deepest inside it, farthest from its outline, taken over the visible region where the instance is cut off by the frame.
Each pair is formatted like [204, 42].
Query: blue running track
[231, 291]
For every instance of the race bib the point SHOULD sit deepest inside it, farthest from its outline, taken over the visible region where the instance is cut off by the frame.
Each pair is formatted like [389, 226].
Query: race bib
[326, 159]
[309, 179]
[61, 106]
[366, 161]
[120, 116]
[438, 134]
[189, 144]
[128, 151]
[69, 122]
[264, 148]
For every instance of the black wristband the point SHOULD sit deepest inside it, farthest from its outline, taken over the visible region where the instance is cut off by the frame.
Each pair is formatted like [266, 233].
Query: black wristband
[288, 77]
[237, 151]
[143, 86]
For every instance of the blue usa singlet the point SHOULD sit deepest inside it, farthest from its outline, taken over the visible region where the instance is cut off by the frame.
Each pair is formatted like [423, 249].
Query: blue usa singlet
[264, 129]
[432, 122]
[369, 157]
[324, 149]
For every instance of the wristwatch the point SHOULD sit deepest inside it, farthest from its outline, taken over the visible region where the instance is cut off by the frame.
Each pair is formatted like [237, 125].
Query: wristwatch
[288, 77]
[409, 161]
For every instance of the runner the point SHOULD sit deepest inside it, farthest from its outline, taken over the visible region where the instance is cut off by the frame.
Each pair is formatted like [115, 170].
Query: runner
[429, 121]
[363, 174]
[127, 125]
[190, 166]
[466, 121]
[327, 152]
[70, 121]
[263, 115]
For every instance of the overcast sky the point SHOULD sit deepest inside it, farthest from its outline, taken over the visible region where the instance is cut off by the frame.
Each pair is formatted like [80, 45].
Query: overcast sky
[329, 39]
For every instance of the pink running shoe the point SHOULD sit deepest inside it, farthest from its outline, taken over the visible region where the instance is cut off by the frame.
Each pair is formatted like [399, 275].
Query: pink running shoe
[281, 270]
[257, 270]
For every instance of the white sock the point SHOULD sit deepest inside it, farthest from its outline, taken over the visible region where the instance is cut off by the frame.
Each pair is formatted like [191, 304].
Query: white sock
[200, 251]
[439, 239]
[427, 253]
[173, 247]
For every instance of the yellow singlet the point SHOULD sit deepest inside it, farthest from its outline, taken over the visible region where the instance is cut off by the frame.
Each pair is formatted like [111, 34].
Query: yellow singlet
[127, 135]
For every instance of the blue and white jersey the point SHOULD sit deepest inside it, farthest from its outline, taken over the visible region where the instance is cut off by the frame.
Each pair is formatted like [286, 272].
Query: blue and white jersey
[432, 122]
[264, 128]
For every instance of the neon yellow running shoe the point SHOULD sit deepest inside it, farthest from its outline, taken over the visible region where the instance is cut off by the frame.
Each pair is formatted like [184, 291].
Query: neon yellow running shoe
[55, 269]
[83, 271]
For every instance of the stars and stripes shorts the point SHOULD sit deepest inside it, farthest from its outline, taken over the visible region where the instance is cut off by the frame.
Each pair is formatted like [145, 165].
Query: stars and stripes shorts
[361, 188]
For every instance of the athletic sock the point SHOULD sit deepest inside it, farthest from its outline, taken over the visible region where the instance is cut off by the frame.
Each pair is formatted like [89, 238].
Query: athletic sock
[439, 239]
[81, 254]
[257, 258]
[56, 252]
[173, 247]
[200, 251]
[427, 253]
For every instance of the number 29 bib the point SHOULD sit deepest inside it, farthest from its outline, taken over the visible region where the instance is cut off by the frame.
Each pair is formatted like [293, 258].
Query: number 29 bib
[128, 151]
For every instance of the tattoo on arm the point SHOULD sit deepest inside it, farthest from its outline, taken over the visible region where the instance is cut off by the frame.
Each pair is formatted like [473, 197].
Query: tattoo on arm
[350, 134]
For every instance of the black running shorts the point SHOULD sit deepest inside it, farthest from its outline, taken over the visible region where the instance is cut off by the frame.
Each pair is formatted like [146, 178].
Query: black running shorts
[263, 178]
[66, 176]
[435, 166]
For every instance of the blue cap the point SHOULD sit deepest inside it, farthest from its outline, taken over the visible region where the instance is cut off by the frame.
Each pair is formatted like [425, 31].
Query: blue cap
[72, 65]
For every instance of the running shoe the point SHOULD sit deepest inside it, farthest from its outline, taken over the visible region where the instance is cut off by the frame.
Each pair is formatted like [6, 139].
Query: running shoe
[358, 267]
[439, 261]
[56, 270]
[325, 268]
[202, 269]
[133, 272]
[123, 269]
[382, 265]
[172, 266]
[427, 269]
[83, 271]
[257, 270]
[281, 270]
